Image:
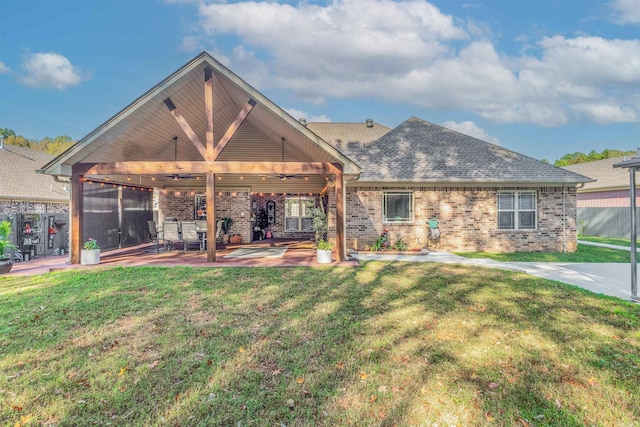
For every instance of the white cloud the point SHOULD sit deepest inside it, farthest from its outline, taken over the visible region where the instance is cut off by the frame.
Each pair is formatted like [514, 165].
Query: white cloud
[50, 70]
[4, 68]
[191, 44]
[408, 51]
[471, 129]
[626, 11]
[298, 114]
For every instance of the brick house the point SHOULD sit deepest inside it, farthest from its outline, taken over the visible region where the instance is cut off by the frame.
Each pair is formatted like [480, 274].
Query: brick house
[213, 146]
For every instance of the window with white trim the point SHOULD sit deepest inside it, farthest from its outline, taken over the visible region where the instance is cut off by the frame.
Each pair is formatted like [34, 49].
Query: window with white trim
[297, 213]
[397, 206]
[517, 210]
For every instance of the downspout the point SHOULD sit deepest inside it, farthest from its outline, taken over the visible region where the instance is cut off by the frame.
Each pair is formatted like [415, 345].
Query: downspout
[634, 234]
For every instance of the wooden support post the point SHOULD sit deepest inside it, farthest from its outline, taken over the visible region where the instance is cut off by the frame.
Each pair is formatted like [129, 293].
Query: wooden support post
[211, 217]
[340, 217]
[77, 214]
[208, 111]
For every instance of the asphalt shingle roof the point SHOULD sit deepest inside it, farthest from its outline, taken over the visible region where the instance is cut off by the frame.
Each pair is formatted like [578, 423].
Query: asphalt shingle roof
[418, 151]
[603, 170]
[20, 180]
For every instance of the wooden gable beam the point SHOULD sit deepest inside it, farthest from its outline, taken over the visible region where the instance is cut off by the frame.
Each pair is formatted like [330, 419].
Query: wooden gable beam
[242, 116]
[208, 110]
[152, 168]
[185, 127]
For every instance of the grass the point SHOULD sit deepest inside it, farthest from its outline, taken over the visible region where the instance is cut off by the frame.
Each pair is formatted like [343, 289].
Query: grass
[379, 345]
[608, 240]
[584, 253]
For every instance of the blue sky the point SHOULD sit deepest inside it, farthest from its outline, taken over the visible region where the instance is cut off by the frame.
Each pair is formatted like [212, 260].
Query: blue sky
[542, 78]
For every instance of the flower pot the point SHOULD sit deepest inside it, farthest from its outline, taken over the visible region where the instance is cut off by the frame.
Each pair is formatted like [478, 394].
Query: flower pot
[225, 239]
[90, 256]
[237, 238]
[323, 256]
[5, 265]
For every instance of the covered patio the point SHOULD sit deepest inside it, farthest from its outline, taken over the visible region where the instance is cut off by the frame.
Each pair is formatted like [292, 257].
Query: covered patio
[205, 131]
[297, 254]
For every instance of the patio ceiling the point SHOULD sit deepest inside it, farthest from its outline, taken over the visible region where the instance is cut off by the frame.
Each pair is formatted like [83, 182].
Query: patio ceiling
[145, 130]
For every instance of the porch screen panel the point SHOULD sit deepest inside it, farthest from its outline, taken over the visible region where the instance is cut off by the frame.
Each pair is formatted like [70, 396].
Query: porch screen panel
[100, 219]
[137, 209]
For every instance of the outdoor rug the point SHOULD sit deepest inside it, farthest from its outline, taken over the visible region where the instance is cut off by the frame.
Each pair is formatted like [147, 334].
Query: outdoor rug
[257, 253]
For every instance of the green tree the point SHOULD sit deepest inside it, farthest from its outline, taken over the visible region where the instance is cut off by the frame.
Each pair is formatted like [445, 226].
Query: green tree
[7, 132]
[578, 157]
[49, 145]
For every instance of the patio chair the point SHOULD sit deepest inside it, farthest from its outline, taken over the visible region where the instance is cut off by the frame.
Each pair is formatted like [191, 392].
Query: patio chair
[189, 233]
[171, 234]
[201, 227]
[153, 230]
[218, 229]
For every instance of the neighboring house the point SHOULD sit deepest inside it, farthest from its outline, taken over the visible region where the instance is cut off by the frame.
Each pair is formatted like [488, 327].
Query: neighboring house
[215, 147]
[603, 205]
[33, 202]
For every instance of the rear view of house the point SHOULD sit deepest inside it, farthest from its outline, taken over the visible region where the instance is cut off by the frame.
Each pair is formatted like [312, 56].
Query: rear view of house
[213, 147]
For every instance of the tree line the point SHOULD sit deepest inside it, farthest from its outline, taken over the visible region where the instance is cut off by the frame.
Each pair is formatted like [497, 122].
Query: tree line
[578, 157]
[49, 145]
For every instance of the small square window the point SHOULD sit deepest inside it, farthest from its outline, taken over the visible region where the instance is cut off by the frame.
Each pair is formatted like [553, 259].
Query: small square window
[517, 210]
[397, 206]
[298, 213]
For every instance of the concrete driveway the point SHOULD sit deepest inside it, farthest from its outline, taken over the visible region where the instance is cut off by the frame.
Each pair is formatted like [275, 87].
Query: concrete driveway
[612, 279]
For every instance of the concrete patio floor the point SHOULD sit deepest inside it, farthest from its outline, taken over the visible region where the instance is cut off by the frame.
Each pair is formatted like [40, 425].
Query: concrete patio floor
[297, 254]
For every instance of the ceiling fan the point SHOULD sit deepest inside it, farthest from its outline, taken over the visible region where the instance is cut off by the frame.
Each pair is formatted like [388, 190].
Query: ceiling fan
[178, 176]
[282, 176]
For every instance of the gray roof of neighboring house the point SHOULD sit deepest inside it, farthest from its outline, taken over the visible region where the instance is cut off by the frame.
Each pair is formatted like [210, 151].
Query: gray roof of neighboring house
[608, 177]
[421, 152]
[20, 180]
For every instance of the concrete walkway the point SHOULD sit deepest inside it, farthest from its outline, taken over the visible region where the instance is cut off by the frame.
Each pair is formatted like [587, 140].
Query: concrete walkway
[612, 279]
[606, 245]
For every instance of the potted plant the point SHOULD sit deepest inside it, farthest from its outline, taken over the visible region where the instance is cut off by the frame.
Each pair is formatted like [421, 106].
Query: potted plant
[5, 260]
[90, 253]
[319, 224]
[225, 227]
[324, 251]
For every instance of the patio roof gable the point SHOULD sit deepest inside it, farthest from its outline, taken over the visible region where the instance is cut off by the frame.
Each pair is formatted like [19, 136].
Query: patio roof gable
[246, 124]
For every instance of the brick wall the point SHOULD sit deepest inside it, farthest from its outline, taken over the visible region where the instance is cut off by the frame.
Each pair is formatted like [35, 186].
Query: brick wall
[180, 205]
[467, 220]
[278, 230]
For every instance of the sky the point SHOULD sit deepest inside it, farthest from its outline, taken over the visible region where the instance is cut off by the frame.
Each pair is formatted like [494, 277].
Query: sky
[543, 78]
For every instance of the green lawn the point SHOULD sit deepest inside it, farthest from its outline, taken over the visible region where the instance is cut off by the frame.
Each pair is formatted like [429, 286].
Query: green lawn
[379, 345]
[608, 240]
[585, 253]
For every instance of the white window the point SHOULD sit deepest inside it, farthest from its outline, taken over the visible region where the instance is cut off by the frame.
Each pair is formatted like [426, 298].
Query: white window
[517, 210]
[297, 213]
[397, 206]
